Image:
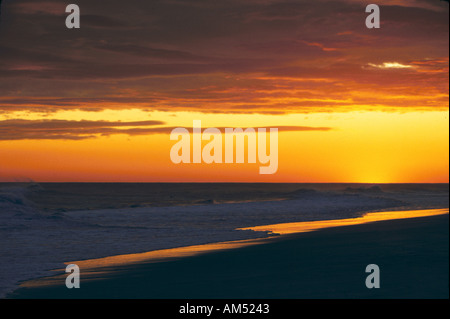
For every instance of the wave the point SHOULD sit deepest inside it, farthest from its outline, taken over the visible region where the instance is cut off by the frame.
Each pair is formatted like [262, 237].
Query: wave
[14, 197]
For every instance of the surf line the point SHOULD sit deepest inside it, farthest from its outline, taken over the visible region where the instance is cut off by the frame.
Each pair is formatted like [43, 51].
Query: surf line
[234, 138]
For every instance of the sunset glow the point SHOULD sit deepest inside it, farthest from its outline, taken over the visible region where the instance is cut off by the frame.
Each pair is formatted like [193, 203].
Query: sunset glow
[98, 104]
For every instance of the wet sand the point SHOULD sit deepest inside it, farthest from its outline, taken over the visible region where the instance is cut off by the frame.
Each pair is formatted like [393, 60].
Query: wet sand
[413, 256]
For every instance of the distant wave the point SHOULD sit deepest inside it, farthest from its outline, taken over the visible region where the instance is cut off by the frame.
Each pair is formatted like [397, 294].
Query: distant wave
[367, 190]
[14, 196]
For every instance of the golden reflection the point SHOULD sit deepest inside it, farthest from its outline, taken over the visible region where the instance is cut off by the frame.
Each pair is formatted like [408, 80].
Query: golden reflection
[301, 227]
[163, 254]
[93, 269]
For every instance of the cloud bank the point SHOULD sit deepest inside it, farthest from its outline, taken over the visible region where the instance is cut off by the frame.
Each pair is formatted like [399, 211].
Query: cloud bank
[256, 56]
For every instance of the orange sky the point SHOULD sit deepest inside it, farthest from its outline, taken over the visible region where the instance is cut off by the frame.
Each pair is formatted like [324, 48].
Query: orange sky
[98, 103]
[360, 147]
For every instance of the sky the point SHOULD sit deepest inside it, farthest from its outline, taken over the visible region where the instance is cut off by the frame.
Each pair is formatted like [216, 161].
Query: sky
[97, 104]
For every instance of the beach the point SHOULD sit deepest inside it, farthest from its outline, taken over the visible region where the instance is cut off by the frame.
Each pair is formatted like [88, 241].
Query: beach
[330, 263]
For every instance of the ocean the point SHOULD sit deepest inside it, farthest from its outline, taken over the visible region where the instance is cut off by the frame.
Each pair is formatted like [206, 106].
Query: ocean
[44, 225]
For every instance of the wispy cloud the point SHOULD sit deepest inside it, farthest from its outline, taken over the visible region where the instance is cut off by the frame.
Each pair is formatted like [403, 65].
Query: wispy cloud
[390, 65]
[17, 129]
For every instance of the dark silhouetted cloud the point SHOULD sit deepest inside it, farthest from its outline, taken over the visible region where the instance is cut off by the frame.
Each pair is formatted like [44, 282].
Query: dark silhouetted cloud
[18, 129]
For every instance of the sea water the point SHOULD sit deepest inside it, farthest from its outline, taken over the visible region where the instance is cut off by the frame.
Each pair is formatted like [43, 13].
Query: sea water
[44, 225]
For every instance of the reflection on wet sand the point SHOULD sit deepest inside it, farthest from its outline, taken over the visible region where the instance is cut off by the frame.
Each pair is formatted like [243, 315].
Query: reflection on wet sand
[97, 268]
[301, 227]
[100, 267]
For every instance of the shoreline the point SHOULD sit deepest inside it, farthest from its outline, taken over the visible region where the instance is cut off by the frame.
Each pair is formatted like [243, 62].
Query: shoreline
[107, 274]
[370, 217]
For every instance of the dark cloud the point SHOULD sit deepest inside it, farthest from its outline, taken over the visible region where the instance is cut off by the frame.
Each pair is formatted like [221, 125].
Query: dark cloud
[100, 21]
[161, 53]
[65, 124]
[139, 50]
[17, 129]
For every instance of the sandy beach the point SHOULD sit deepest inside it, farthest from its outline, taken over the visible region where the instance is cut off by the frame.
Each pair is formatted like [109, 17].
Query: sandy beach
[412, 254]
